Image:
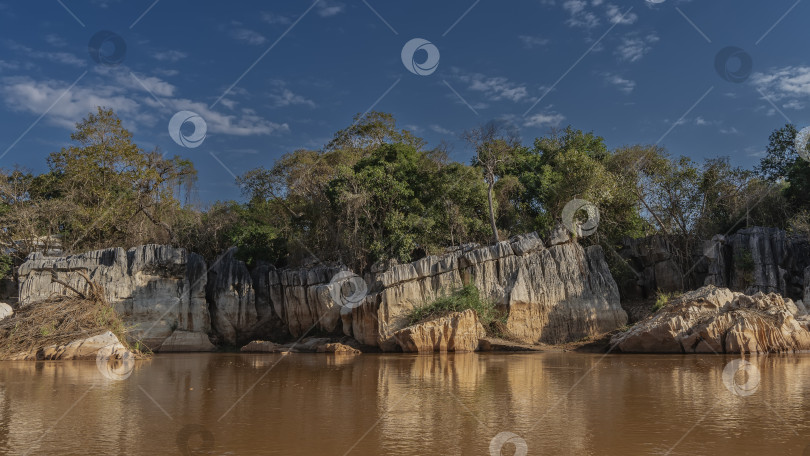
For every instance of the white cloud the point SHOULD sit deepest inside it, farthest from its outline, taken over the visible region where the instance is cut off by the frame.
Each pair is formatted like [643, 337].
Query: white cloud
[169, 56]
[249, 36]
[275, 19]
[60, 57]
[441, 130]
[543, 119]
[616, 16]
[55, 40]
[328, 9]
[586, 15]
[285, 97]
[633, 48]
[623, 84]
[495, 88]
[788, 83]
[530, 42]
[128, 98]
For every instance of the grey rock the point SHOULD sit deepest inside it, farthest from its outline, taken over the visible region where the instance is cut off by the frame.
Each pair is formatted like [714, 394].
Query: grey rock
[156, 289]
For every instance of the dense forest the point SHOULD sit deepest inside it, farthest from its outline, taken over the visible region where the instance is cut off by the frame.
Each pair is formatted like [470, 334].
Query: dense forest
[377, 193]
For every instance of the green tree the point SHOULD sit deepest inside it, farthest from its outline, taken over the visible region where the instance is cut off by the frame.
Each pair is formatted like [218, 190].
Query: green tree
[494, 148]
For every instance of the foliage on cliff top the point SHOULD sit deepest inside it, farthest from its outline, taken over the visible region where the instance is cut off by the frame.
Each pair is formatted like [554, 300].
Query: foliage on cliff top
[60, 320]
[459, 300]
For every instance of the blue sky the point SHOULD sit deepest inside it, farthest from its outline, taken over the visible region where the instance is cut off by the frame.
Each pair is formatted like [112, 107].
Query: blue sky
[271, 77]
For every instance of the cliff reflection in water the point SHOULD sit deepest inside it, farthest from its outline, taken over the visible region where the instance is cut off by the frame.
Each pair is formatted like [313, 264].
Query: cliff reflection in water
[398, 404]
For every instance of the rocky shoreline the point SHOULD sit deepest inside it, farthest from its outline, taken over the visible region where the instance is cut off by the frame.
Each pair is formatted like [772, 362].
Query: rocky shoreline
[554, 295]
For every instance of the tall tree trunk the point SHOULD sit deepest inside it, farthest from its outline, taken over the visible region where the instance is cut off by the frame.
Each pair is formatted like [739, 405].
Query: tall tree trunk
[492, 213]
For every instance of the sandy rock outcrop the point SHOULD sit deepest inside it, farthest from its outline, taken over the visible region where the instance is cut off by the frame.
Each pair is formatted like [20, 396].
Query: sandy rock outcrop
[717, 320]
[155, 288]
[80, 349]
[456, 332]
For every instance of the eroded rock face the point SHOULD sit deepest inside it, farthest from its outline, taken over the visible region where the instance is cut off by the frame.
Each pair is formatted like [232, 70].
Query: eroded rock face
[456, 332]
[155, 288]
[230, 290]
[754, 259]
[551, 295]
[717, 320]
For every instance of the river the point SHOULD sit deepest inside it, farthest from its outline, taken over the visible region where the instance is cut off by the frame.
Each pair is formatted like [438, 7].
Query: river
[380, 404]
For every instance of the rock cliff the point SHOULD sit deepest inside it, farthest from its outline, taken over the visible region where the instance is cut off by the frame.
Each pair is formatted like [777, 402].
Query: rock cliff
[157, 289]
[751, 260]
[552, 294]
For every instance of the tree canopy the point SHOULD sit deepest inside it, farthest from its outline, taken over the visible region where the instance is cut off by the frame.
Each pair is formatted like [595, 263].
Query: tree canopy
[376, 192]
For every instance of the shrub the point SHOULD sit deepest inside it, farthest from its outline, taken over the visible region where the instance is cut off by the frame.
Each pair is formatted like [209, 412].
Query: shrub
[662, 299]
[459, 300]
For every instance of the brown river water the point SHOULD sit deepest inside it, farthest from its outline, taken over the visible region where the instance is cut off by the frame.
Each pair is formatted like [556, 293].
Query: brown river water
[380, 404]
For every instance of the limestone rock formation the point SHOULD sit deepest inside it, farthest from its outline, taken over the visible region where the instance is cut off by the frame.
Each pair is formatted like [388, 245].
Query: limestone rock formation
[456, 332]
[80, 349]
[551, 295]
[555, 294]
[717, 320]
[155, 288]
[230, 288]
[752, 259]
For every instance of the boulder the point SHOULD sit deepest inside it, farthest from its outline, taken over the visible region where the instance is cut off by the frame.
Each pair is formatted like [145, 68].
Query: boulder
[5, 310]
[338, 349]
[187, 341]
[456, 332]
[263, 346]
[717, 320]
[105, 344]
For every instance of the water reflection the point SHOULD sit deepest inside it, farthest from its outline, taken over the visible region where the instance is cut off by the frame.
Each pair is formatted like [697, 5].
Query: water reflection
[401, 404]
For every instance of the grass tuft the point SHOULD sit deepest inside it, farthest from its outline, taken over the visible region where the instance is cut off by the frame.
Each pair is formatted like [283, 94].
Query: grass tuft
[459, 300]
